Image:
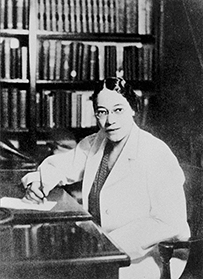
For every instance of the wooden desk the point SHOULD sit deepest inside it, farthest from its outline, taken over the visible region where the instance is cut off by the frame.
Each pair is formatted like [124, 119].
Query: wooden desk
[62, 243]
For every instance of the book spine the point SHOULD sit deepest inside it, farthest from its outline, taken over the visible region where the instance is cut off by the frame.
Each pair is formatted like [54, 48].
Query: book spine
[89, 16]
[101, 16]
[26, 12]
[120, 15]
[14, 45]
[141, 17]
[72, 16]
[101, 61]
[85, 63]
[53, 16]
[14, 108]
[9, 14]
[94, 71]
[24, 55]
[80, 60]
[68, 108]
[66, 12]
[65, 61]
[38, 109]
[22, 109]
[149, 17]
[112, 24]
[41, 12]
[74, 61]
[78, 17]
[58, 60]
[52, 59]
[106, 16]
[7, 56]
[47, 15]
[19, 14]
[5, 108]
[74, 110]
[45, 64]
[2, 14]
[84, 16]
[59, 16]
[95, 11]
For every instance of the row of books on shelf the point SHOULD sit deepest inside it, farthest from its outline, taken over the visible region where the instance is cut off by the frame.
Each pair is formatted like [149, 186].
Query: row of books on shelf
[54, 109]
[96, 16]
[14, 14]
[13, 108]
[64, 108]
[13, 58]
[76, 61]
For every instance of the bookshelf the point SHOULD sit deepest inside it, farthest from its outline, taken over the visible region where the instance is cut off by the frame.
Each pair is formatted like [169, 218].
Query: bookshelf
[53, 52]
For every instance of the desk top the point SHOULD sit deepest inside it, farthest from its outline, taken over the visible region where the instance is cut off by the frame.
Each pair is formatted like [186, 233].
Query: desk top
[56, 242]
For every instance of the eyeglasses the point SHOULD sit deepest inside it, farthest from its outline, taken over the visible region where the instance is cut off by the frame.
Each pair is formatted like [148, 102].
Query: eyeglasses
[102, 113]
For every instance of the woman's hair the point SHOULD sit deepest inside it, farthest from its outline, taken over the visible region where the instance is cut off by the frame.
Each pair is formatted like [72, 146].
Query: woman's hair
[119, 85]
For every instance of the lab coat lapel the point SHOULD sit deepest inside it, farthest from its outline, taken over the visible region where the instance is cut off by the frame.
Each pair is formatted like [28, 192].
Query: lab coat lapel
[121, 168]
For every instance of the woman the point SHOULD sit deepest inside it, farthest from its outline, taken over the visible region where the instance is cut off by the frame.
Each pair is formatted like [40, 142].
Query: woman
[142, 201]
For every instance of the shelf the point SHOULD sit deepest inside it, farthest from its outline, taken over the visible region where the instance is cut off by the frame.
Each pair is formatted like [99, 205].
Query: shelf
[14, 32]
[14, 81]
[98, 37]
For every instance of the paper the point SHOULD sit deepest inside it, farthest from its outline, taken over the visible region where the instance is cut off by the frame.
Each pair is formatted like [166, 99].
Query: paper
[16, 203]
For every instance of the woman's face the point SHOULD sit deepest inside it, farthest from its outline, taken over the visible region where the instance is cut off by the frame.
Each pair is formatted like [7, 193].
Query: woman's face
[114, 115]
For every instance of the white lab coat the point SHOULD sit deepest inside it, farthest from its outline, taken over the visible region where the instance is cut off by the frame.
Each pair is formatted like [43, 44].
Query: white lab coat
[142, 201]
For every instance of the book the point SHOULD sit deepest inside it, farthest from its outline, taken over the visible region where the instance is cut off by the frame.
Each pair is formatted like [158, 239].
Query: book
[80, 60]
[141, 17]
[46, 58]
[2, 14]
[149, 17]
[89, 16]
[24, 63]
[73, 109]
[19, 14]
[2, 58]
[94, 63]
[72, 17]
[4, 107]
[106, 16]
[78, 13]
[120, 16]
[9, 14]
[74, 60]
[68, 108]
[65, 69]
[13, 93]
[53, 16]
[14, 45]
[49, 108]
[41, 15]
[47, 13]
[110, 60]
[85, 62]
[59, 14]
[66, 16]
[7, 58]
[38, 109]
[112, 16]
[95, 12]
[26, 12]
[58, 60]
[52, 59]
[84, 17]
[132, 16]
[22, 108]
[101, 16]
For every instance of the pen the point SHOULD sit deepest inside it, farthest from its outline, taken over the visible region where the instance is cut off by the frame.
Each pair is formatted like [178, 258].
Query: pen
[41, 186]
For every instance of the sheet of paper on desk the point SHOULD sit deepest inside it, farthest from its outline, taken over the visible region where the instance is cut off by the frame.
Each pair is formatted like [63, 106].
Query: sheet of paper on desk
[16, 203]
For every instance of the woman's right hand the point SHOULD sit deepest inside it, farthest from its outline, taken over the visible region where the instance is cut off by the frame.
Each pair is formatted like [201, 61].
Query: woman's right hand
[34, 188]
